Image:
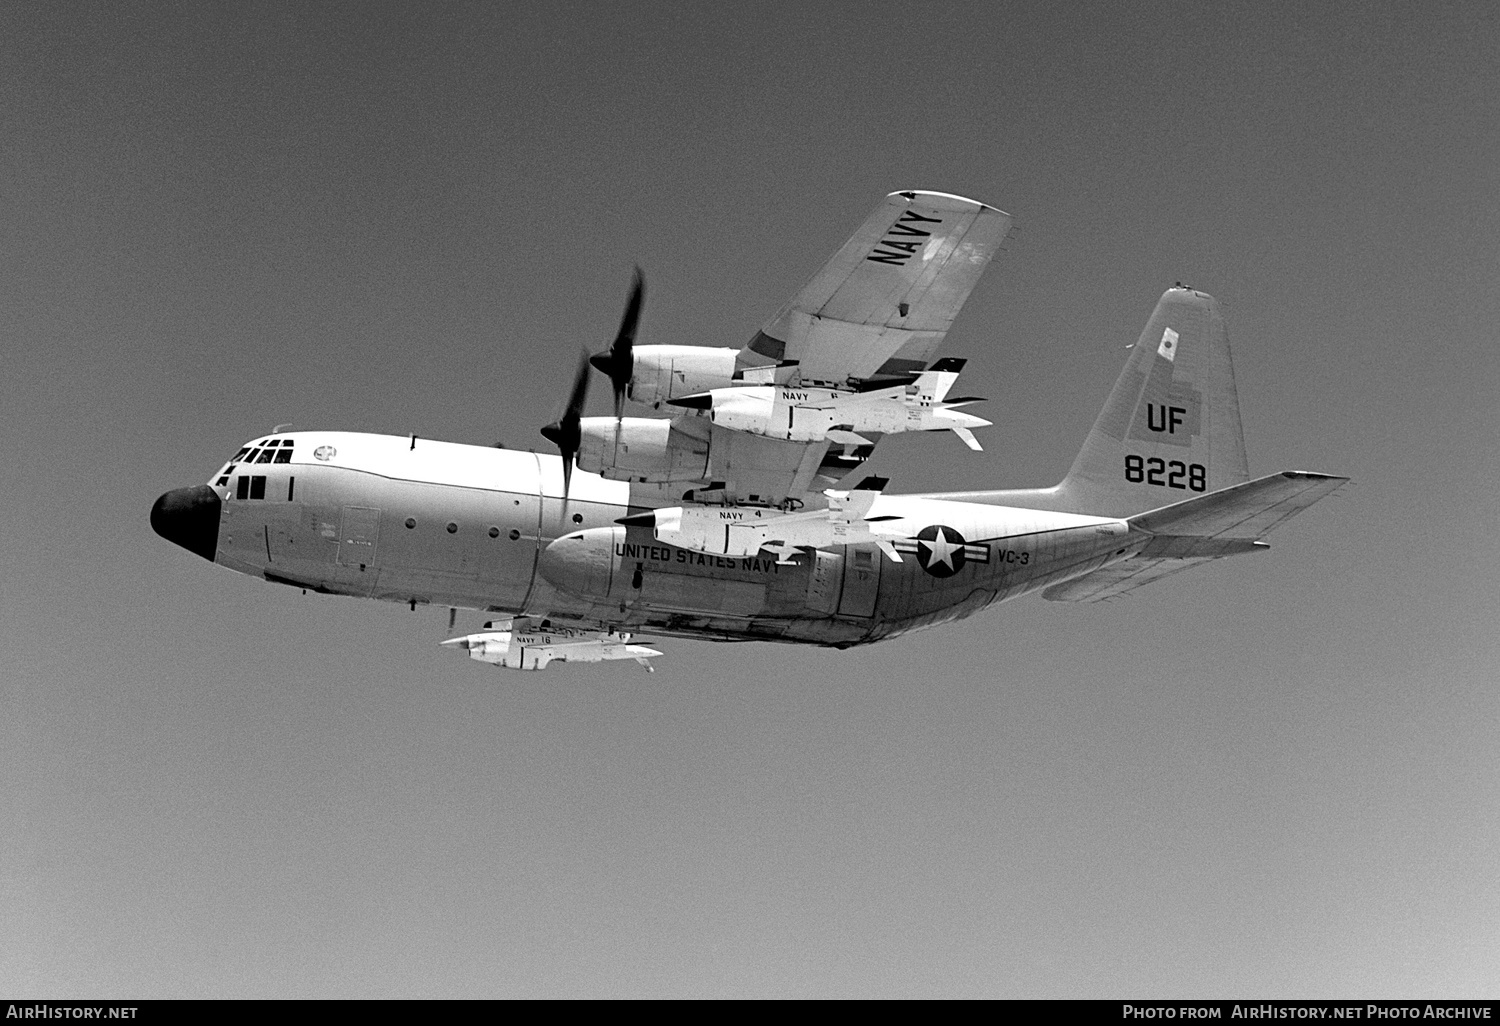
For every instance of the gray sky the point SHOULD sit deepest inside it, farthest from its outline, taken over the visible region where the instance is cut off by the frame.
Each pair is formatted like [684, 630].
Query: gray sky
[1274, 776]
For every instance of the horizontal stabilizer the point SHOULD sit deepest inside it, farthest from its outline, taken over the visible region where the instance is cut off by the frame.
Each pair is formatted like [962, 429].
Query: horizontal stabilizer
[1120, 578]
[1245, 510]
[1187, 534]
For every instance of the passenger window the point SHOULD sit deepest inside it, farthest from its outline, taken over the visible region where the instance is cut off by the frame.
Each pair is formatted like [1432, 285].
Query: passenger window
[283, 456]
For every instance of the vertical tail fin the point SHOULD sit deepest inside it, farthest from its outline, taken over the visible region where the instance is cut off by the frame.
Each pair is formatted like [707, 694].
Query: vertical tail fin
[1171, 426]
[1170, 429]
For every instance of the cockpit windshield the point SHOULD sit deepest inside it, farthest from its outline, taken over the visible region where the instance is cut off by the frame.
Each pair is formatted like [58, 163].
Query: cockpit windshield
[267, 450]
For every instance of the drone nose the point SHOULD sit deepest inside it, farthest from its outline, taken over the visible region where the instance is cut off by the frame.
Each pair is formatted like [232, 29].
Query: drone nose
[189, 517]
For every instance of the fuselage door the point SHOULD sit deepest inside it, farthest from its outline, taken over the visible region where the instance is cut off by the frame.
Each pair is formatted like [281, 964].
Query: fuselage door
[825, 581]
[358, 533]
[861, 580]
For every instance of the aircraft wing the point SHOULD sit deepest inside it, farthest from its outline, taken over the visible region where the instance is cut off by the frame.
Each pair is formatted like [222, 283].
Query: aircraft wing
[885, 301]
[755, 468]
[768, 468]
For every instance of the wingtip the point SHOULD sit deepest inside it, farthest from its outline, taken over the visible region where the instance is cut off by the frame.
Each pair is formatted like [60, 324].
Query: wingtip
[1181, 293]
[943, 199]
[1309, 475]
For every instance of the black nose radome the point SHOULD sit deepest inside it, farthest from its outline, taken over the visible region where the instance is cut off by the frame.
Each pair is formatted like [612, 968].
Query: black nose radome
[189, 517]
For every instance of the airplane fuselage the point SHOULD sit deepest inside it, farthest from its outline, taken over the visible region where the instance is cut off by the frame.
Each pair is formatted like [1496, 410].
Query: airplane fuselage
[412, 520]
[730, 519]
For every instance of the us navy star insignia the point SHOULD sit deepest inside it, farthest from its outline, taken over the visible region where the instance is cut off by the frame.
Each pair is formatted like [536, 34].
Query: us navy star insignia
[942, 551]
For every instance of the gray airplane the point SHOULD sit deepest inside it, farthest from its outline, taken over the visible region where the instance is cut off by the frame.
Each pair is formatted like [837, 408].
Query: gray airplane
[738, 512]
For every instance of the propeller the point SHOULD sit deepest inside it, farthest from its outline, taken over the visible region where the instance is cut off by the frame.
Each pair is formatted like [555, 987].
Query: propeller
[619, 361]
[565, 432]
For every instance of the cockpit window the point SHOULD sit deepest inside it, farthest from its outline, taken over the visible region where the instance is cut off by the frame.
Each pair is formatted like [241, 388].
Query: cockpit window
[269, 450]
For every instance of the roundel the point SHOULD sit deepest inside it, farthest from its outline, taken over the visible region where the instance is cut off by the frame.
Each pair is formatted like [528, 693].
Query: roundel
[940, 550]
[325, 452]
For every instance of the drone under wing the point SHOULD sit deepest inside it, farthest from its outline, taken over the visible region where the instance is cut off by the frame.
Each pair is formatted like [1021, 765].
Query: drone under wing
[883, 304]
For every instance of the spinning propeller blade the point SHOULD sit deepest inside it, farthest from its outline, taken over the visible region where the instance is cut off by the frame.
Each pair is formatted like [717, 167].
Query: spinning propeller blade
[565, 432]
[619, 362]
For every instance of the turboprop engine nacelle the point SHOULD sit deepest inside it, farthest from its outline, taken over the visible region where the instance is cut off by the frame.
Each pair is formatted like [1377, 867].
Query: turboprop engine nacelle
[746, 530]
[640, 449]
[533, 649]
[662, 373]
